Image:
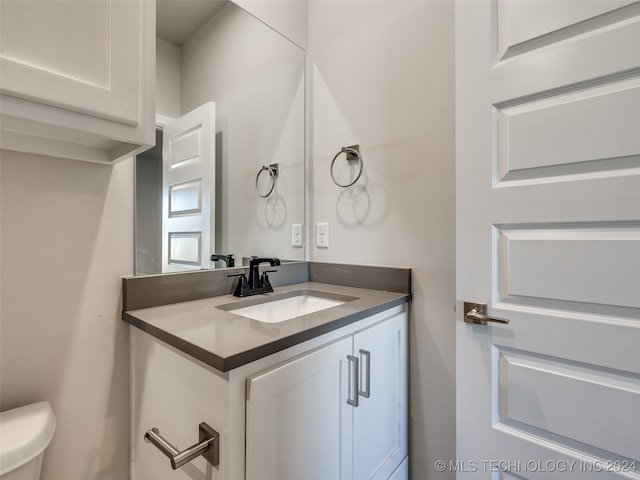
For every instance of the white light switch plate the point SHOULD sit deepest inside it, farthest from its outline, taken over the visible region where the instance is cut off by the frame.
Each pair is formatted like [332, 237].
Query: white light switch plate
[322, 235]
[296, 235]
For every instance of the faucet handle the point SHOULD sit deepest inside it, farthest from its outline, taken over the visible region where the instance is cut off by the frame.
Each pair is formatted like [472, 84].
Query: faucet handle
[242, 286]
[264, 279]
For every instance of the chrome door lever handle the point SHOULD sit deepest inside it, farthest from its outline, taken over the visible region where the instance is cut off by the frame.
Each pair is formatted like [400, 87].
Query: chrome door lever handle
[476, 313]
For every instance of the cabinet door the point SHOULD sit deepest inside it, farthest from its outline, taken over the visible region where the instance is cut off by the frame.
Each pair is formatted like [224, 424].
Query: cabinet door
[81, 56]
[380, 419]
[299, 425]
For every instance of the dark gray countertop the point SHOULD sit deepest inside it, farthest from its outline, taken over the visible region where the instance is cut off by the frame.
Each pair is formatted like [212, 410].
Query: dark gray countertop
[226, 341]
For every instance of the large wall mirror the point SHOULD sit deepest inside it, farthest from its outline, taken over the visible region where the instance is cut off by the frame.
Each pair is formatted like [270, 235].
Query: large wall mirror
[227, 175]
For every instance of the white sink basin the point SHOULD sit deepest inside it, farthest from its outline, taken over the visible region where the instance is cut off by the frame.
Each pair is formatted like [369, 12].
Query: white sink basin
[275, 311]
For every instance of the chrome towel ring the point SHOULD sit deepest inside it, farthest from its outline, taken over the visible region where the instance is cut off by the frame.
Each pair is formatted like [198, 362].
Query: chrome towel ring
[273, 174]
[353, 154]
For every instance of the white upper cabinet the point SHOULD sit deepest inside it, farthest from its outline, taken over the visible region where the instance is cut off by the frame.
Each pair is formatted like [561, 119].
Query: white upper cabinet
[77, 78]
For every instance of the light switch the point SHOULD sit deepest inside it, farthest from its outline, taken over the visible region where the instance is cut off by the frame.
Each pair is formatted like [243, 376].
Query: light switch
[296, 235]
[322, 235]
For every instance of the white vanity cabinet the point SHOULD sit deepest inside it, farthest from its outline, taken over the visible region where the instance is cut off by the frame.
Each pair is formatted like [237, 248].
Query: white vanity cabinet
[77, 79]
[284, 416]
[337, 412]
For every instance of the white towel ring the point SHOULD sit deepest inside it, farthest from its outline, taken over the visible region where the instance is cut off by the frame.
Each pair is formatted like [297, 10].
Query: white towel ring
[353, 154]
[273, 173]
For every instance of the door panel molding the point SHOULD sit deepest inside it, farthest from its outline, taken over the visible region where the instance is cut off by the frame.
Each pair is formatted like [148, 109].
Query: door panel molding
[542, 138]
[520, 28]
[570, 263]
[568, 400]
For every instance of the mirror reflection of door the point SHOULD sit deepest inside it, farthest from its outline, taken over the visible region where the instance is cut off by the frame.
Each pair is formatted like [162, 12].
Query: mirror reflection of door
[188, 184]
[175, 230]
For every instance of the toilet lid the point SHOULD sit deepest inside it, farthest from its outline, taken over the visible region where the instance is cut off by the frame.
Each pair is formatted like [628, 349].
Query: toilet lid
[24, 434]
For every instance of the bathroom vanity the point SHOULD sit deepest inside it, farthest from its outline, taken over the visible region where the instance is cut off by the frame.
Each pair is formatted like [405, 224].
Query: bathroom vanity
[319, 395]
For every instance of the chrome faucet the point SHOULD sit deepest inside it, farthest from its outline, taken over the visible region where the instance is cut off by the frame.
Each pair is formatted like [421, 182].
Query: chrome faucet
[257, 283]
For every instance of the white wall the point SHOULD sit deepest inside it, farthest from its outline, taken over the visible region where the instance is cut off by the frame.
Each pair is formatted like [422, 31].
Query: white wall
[383, 77]
[66, 242]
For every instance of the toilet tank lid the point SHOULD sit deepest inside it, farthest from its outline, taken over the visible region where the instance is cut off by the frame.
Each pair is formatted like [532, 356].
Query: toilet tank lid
[24, 434]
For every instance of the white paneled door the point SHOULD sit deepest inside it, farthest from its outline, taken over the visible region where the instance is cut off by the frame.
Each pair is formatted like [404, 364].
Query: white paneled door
[548, 236]
[188, 195]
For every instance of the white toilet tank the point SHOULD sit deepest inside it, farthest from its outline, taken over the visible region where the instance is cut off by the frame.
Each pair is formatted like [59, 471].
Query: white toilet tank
[24, 434]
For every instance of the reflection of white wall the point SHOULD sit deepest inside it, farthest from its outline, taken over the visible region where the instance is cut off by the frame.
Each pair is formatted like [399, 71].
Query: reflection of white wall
[256, 79]
[167, 78]
[149, 205]
[289, 17]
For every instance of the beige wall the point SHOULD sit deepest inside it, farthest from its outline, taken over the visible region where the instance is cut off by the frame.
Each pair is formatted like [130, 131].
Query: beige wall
[66, 241]
[383, 77]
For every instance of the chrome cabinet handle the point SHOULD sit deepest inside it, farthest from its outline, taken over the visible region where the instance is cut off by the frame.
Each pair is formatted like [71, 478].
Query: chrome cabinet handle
[352, 398]
[365, 376]
[476, 313]
[208, 447]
